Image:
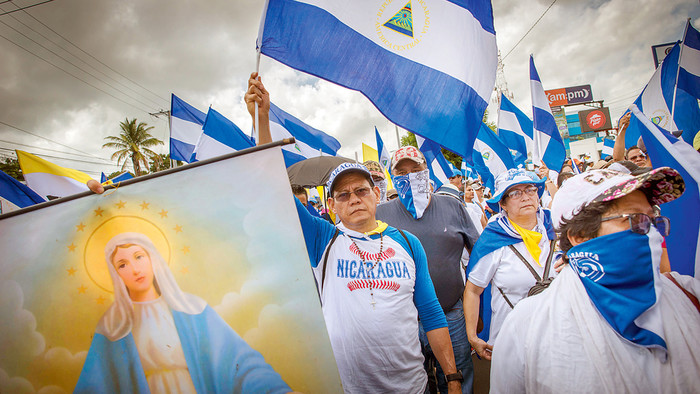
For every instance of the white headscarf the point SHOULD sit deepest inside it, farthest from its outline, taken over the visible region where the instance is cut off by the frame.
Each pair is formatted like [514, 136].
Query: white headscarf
[116, 323]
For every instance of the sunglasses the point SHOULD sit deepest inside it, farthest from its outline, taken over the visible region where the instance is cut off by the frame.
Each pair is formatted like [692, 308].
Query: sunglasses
[530, 191]
[360, 193]
[641, 223]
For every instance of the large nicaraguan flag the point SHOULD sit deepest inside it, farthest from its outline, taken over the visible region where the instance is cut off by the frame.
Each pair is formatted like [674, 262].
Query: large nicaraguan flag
[428, 66]
[656, 100]
[548, 145]
[220, 136]
[665, 150]
[185, 129]
[515, 130]
[490, 156]
[608, 145]
[15, 195]
[49, 179]
[440, 168]
[310, 142]
[382, 152]
[689, 73]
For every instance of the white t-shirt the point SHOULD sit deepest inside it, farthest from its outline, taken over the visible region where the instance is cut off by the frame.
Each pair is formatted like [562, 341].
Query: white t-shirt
[475, 215]
[504, 269]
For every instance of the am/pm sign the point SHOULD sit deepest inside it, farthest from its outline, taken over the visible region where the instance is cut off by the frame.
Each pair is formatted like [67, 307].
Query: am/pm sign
[567, 96]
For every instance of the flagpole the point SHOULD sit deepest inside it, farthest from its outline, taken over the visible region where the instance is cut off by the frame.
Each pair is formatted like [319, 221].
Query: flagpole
[258, 49]
[398, 140]
[678, 69]
[256, 126]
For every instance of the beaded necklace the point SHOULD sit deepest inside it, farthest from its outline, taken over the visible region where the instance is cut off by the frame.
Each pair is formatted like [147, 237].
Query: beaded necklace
[362, 260]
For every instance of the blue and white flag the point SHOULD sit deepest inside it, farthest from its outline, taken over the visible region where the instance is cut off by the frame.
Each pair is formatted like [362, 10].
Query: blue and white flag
[219, 137]
[440, 168]
[468, 172]
[608, 145]
[656, 102]
[515, 130]
[382, 152]
[15, 195]
[185, 129]
[429, 67]
[490, 156]
[665, 150]
[310, 142]
[689, 74]
[121, 177]
[548, 145]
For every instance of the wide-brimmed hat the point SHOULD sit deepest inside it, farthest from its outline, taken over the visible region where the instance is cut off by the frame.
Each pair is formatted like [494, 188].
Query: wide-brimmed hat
[510, 178]
[374, 168]
[660, 185]
[347, 168]
[406, 152]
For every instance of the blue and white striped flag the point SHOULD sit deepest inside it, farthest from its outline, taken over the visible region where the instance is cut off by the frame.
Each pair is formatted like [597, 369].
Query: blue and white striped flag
[15, 195]
[440, 168]
[219, 137]
[309, 143]
[689, 74]
[608, 145]
[515, 130]
[490, 156]
[430, 68]
[665, 150]
[185, 129]
[548, 145]
[382, 151]
[121, 177]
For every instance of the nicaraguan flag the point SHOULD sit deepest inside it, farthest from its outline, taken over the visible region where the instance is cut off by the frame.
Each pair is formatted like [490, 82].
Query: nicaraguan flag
[665, 150]
[547, 143]
[689, 74]
[428, 66]
[608, 145]
[185, 129]
[48, 179]
[15, 195]
[468, 172]
[440, 168]
[310, 142]
[515, 130]
[656, 102]
[219, 137]
[121, 177]
[383, 152]
[490, 156]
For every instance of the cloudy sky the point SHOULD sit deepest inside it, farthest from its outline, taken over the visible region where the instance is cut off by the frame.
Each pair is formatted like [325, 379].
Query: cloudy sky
[71, 70]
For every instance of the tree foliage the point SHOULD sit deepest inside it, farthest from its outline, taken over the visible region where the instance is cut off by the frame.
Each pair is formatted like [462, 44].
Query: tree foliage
[161, 162]
[133, 143]
[11, 167]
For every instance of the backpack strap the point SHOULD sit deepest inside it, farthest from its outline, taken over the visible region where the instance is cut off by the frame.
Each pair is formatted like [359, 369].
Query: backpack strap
[548, 264]
[529, 267]
[690, 295]
[506, 298]
[325, 258]
[408, 243]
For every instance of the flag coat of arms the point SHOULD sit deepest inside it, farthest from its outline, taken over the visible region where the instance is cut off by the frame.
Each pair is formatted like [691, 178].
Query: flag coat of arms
[428, 66]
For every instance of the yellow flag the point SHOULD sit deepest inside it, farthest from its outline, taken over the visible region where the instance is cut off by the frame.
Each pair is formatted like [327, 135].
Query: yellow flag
[48, 179]
[369, 153]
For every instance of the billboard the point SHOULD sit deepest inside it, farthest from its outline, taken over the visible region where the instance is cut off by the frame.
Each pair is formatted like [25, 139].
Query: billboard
[660, 51]
[568, 96]
[595, 120]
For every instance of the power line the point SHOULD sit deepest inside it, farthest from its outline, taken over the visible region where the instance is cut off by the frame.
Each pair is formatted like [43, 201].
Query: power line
[49, 149]
[68, 158]
[91, 56]
[72, 75]
[75, 65]
[24, 8]
[529, 30]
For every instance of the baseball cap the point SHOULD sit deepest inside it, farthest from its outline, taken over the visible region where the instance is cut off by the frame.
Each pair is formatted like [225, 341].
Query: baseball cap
[510, 178]
[406, 152]
[346, 168]
[374, 168]
[456, 172]
[661, 185]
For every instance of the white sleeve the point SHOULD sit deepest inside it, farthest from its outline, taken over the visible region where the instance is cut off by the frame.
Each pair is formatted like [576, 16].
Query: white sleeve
[508, 357]
[483, 271]
[689, 283]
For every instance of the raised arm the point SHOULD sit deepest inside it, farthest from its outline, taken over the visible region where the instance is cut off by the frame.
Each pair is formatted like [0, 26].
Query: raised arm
[257, 95]
[619, 148]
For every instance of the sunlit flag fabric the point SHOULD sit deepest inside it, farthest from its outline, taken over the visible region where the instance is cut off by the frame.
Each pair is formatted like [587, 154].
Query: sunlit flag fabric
[14, 194]
[429, 67]
[665, 150]
[185, 129]
[548, 145]
[515, 129]
[220, 136]
[689, 74]
[48, 179]
[490, 156]
[309, 143]
[440, 168]
[121, 177]
[383, 152]
[608, 145]
[656, 101]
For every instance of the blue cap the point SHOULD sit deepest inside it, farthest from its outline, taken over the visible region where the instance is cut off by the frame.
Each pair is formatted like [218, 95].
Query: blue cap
[456, 172]
[347, 168]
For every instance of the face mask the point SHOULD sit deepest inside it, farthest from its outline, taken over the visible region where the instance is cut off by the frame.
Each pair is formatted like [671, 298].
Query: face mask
[382, 189]
[414, 191]
[620, 273]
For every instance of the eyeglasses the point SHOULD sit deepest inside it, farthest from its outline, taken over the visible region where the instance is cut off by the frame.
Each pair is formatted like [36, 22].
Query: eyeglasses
[641, 223]
[360, 193]
[530, 191]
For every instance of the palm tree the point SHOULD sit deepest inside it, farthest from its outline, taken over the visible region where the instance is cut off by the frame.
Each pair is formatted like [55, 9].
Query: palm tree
[133, 142]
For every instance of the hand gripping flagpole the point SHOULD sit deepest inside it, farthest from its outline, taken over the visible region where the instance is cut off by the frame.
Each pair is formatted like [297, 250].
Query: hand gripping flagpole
[258, 48]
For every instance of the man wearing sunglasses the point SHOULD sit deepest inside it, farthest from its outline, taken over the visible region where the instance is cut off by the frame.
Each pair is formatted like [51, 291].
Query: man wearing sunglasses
[610, 322]
[373, 282]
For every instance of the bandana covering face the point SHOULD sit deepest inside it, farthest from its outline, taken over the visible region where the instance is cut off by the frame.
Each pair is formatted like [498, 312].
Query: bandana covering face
[382, 189]
[414, 191]
[620, 273]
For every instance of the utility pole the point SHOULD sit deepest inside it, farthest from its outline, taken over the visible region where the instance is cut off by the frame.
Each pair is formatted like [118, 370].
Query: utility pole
[166, 113]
